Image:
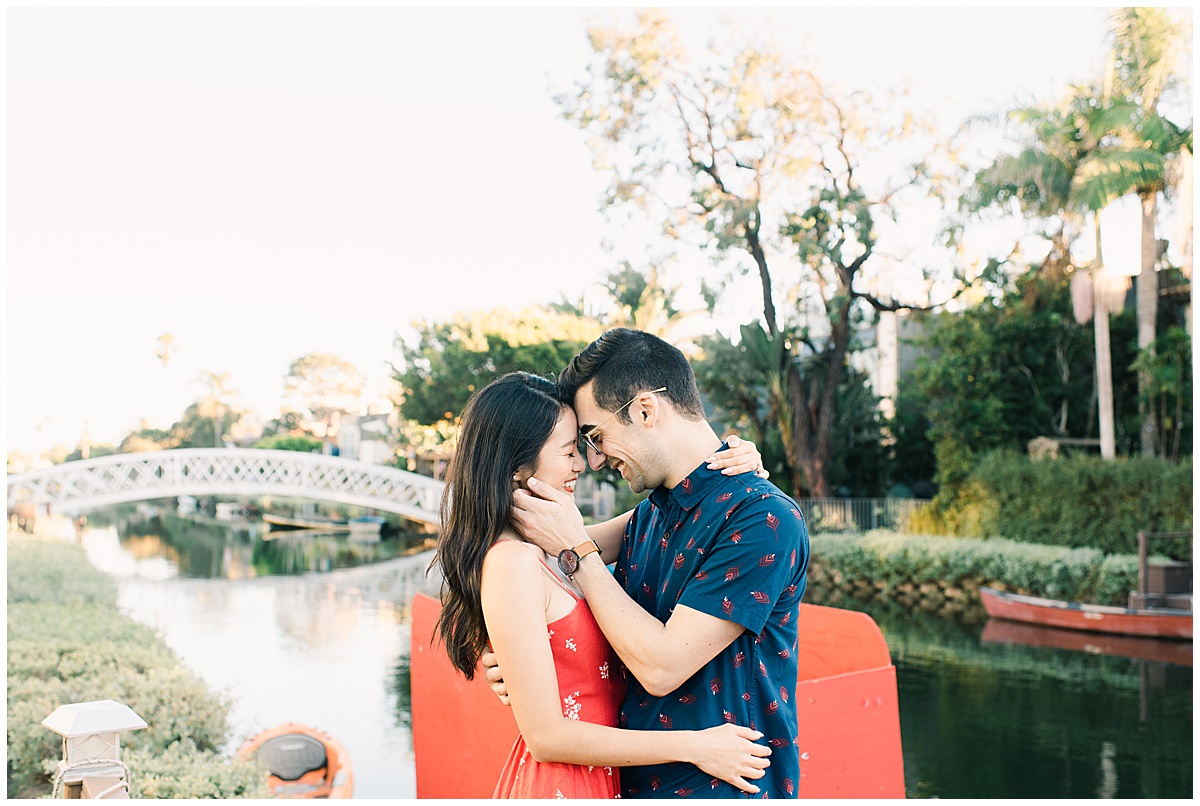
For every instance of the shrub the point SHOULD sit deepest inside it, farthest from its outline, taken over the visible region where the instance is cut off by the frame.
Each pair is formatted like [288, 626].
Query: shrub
[889, 560]
[51, 573]
[1078, 501]
[290, 442]
[68, 643]
[182, 770]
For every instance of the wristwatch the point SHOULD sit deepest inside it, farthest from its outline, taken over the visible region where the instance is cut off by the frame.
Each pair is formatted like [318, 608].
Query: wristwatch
[568, 559]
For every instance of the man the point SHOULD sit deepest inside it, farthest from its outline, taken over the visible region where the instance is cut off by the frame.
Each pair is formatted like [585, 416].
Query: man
[710, 569]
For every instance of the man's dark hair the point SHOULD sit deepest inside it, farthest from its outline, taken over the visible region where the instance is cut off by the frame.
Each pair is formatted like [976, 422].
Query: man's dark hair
[623, 363]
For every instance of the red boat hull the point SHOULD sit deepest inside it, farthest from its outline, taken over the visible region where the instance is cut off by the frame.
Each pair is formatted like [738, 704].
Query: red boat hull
[1003, 631]
[1163, 623]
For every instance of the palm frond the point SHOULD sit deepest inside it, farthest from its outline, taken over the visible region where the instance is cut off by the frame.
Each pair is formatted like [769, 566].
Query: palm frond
[1110, 174]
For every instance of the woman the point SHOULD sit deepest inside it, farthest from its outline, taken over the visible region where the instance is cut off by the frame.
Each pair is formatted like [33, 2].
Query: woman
[563, 679]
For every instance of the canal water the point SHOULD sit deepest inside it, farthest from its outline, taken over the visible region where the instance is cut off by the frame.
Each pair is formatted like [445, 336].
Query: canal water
[314, 629]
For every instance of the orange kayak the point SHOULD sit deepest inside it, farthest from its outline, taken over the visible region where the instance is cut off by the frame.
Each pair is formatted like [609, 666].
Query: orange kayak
[303, 762]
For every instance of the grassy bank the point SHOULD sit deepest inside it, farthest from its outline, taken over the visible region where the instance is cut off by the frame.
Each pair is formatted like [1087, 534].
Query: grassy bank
[67, 643]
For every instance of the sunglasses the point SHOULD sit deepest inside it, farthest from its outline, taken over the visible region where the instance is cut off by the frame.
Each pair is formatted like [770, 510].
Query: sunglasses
[587, 442]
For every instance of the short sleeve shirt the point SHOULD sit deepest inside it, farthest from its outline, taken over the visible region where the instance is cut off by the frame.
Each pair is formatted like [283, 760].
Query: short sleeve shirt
[733, 547]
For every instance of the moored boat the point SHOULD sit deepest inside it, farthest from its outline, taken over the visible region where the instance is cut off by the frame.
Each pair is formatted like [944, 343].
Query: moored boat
[367, 528]
[283, 523]
[1003, 631]
[1154, 622]
[302, 762]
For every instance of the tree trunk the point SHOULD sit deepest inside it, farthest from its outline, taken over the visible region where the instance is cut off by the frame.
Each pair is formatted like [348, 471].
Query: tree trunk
[1147, 314]
[1104, 385]
[802, 448]
[754, 247]
[814, 405]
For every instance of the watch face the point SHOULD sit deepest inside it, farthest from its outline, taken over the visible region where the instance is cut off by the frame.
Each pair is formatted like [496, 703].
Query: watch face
[568, 561]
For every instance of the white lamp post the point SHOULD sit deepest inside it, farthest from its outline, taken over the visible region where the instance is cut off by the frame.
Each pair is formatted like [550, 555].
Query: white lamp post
[91, 734]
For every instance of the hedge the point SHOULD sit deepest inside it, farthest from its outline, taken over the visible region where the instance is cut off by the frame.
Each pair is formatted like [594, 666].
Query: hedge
[1079, 501]
[887, 563]
[67, 643]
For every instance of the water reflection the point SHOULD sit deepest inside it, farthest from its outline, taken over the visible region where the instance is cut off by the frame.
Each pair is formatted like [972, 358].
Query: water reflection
[207, 549]
[979, 718]
[329, 650]
[983, 719]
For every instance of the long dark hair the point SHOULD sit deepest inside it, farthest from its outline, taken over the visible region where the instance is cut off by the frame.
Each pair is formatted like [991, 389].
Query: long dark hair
[503, 429]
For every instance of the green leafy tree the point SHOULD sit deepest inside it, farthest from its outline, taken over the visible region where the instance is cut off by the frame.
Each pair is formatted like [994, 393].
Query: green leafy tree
[217, 405]
[643, 301]
[1167, 396]
[759, 160]
[1007, 370]
[146, 438]
[288, 423]
[196, 428]
[732, 376]
[735, 378]
[448, 361]
[319, 387]
[913, 462]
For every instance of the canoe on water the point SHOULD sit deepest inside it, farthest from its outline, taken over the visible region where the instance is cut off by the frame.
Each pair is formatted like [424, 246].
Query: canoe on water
[302, 762]
[284, 523]
[1156, 622]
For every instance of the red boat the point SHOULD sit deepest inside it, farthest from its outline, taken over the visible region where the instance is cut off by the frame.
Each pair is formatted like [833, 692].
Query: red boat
[1002, 631]
[1157, 622]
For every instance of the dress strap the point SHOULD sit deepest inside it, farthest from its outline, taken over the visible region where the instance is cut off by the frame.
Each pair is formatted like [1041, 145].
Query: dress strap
[556, 578]
[545, 565]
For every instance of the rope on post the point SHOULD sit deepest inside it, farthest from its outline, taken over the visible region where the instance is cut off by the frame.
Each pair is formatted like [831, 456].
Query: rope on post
[100, 795]
[97, 762]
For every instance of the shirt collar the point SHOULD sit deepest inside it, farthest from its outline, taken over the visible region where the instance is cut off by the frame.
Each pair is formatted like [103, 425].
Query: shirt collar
[692, 490]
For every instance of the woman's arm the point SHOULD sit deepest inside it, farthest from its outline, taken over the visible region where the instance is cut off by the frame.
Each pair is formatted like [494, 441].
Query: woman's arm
[513, 593]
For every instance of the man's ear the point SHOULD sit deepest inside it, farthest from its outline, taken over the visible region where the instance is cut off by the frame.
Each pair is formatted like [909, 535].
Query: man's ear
[647, 409]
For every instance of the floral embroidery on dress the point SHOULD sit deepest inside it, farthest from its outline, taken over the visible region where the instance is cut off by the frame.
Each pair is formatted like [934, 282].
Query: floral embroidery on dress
[571, 645]
[558, 794]
[571, 711]
[604, 671]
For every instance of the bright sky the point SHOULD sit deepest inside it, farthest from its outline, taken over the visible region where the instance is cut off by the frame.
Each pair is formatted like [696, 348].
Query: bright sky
[268, 183]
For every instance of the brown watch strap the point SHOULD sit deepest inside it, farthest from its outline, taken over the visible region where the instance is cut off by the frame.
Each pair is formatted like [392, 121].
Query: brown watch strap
[585, 548]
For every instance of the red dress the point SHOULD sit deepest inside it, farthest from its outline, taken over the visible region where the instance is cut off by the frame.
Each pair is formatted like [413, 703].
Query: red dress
[590, 688]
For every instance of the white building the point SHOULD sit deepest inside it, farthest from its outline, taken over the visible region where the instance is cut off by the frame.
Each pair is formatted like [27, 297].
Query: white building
[365, 438]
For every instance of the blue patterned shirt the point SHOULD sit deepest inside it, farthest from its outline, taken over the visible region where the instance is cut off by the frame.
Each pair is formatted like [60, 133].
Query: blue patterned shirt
[734, 547]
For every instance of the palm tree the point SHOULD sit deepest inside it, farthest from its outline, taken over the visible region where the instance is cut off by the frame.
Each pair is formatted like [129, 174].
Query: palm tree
[642, 300]
[1059, 175]
[1147, 44]
[166, 349]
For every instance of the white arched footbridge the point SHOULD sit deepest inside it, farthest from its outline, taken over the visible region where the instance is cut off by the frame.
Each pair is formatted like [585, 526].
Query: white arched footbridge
[91, 483]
